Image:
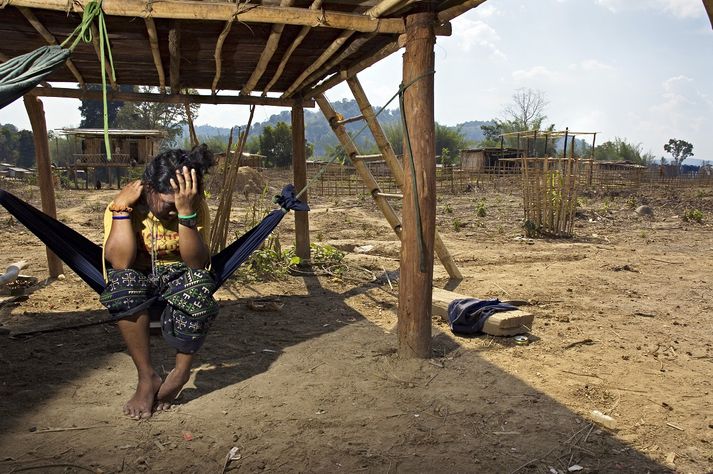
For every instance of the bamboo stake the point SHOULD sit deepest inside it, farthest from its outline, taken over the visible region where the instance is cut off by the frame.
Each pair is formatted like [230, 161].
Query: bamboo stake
[155, 52]
[218, 55]
[51, 40]
[328, 53]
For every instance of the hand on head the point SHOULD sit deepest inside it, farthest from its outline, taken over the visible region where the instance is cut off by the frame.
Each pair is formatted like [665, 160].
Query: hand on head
[129, 195]
[185, 187]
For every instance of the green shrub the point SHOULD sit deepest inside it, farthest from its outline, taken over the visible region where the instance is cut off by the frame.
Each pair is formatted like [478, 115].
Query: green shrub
[695, 215]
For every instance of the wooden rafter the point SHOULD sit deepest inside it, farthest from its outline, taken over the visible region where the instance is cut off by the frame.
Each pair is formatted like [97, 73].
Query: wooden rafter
[384, 6]
[267, 53]
[454, 11]
[218, 55]
[174, 50]
[353, 70]
[223, 11]
[328, 53]
[709, 8]
[316, 4]
[155, 52]
[107, 64]
[169, 98]
[37, 25]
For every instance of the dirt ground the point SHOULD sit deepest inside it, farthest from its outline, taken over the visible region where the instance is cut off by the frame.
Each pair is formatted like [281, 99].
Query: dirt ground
[622, 325]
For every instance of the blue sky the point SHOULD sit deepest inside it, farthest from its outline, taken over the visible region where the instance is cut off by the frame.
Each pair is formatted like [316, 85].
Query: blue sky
[636, 69]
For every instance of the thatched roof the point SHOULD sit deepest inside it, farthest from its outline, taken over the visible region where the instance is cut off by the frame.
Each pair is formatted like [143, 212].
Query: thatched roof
[220, 45]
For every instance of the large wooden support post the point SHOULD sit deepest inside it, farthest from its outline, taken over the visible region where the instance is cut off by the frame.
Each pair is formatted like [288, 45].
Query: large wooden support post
[299, 171]
[36, 113]
[414, 316]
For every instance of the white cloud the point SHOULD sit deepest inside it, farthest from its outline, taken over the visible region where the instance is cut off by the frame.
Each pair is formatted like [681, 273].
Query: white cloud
[476, 34]
[677, 8]
[486, 10]
[535, 72]
[591, 65]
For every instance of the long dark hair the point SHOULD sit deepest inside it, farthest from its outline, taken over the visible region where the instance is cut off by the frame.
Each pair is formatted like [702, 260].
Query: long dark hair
[158, 173]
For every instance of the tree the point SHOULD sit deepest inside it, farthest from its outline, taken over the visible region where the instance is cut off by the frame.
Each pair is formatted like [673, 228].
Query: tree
[25, 149]
[527, 110]
[679, 150]
[621, 150]
[276, 144]
[92, 110]
[448, 138]
[153, 115]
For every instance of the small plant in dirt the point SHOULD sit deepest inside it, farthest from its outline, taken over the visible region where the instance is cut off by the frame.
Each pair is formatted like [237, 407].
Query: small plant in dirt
[605, 206]
[642, 234]
[320, 236]
[480, 210]
[457, 224]
[693, 215]
[631, 202]
[581, 201]
[447, 208]
[501, 229]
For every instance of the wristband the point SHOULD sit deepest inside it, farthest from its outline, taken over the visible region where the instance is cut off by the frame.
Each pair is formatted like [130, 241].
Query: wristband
[189, 216]
[114, 208]
[120, 218]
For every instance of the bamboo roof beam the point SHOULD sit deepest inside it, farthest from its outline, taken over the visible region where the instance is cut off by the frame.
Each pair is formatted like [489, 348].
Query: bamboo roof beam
[385, 6]
[107, 63]
[169, 98]
[155, 52]
[223, 11]
[449, 13]
[328, 53]
[174, 50]
[344, 74]
[218, 55]
[267, 53]
[295, 43]
[49, 37]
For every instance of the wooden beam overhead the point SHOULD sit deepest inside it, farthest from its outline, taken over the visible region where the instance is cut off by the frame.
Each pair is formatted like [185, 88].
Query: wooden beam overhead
[156, 52]
[49, 37]
[107, 63]
[328, 53]
[249, 13]
[450, 13]
[384, 6]
[316, 4]
[218, 55]
[169, 98]
[267, 53]
[174, 50]
[344, 74]
[709, 8]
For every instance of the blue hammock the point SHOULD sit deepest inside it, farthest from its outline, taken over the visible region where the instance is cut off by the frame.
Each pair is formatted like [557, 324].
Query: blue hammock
[85, 257]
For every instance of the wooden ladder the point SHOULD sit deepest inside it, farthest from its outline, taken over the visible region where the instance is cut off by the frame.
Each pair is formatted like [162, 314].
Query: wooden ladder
[387, 154]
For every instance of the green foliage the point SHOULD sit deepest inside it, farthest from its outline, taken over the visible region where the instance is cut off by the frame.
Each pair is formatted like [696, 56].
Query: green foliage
[448, 140]
[457, 224]
[631, 202]
[693, 215]
[679, 150]
[621, 150]
[276, 144]
[480, 209]
[17, 146]
[447, 208]
[92, 110]
[153, 115]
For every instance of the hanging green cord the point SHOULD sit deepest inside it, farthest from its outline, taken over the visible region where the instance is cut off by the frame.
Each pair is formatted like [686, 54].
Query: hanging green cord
[83, 32]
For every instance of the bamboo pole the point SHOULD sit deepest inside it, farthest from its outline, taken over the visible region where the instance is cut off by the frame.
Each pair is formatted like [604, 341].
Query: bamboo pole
[416, 278]
[222, 11]
[457, 10]
[316, 4]
[218, 55]
[328, 53]
[167, 98]
[395, 166]
[156, 52]
[299, 173]
[51, 40]
[174, 50]
[384, 6]
[36, 114]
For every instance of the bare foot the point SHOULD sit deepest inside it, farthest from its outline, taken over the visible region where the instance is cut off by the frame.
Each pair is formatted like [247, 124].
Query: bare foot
[141, 404]
[170, 388]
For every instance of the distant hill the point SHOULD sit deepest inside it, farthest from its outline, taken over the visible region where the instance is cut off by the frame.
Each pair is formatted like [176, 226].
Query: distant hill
[319, 133]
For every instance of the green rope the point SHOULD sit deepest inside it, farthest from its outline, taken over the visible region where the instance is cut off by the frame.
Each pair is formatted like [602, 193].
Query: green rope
[83, 32]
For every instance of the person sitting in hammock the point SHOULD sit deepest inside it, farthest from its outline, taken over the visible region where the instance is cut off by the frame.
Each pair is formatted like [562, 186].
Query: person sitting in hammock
[155, 241]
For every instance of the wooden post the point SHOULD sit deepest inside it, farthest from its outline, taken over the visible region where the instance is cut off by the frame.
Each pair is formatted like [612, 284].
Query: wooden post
[36, 113]
[299, 171]
[414, 315]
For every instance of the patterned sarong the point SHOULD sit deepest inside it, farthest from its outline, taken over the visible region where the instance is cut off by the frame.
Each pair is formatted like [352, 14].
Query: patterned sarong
[186, 293]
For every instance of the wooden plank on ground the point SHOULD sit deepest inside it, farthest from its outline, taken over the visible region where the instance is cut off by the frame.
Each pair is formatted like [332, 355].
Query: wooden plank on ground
[508, 323]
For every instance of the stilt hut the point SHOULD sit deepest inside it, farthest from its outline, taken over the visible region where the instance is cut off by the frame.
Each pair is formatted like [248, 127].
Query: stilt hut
[286, 53]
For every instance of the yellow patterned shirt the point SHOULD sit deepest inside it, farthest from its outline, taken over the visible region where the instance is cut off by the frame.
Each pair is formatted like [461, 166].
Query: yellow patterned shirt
[163, 237]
